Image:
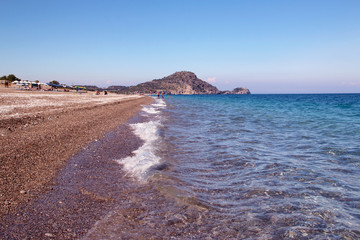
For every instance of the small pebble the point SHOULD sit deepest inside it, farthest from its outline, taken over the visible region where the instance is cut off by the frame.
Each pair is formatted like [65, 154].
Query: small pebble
[49, 235]
[23, 192]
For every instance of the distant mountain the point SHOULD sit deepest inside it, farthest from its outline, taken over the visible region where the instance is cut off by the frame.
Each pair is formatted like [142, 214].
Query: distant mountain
[90, 87]
[118, 88]
[178, 83]
[241, 90]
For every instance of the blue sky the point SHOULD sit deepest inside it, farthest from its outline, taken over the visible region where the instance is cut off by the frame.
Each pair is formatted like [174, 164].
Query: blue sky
[268, 46]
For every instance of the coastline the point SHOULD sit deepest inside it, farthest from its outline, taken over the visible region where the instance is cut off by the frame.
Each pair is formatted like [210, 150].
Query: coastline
[40, 135]
[227, 188]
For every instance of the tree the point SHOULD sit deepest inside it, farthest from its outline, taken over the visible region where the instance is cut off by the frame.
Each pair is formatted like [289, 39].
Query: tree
[12, 78]
[54, 82]
[3, 78]
[37, 81]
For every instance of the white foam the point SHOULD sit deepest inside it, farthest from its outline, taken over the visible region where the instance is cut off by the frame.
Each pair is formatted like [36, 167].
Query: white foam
[144, 157]
[150, 110]
[159, 103]
[155, 107]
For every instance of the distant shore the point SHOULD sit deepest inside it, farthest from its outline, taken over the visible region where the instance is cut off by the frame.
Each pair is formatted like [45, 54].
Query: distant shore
[40, 131]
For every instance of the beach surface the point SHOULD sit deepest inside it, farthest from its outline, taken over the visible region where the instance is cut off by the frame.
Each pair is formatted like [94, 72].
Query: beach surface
[41, 131]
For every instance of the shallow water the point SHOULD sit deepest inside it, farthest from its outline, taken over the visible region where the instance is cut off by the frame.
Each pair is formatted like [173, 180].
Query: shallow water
[243, 166]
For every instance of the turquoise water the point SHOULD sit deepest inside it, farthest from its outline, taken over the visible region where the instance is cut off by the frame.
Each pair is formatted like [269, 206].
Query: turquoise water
[276, 165]
[241, 167]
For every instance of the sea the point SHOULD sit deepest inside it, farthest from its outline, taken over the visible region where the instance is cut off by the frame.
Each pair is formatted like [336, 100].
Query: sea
[282, 166]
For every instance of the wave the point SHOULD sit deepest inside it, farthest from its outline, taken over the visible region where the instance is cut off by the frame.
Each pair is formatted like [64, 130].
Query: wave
[145, 157]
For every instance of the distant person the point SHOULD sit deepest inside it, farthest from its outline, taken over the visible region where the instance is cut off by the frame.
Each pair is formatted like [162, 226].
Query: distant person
[158, 95]
[162, 95]
[105, 92]
[6, 84]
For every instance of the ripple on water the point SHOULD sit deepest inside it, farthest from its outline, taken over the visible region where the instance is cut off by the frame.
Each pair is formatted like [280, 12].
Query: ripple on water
[255, 167]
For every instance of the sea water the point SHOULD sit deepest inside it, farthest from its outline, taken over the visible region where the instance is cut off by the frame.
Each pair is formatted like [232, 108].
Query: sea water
[144, 158]
[246, 166]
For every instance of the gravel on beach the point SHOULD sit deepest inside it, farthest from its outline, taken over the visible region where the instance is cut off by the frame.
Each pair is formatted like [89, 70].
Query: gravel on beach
[41, 131]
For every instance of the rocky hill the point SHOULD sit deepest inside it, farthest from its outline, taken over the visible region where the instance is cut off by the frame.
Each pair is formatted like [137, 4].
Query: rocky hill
[178, 83]
[240, 90]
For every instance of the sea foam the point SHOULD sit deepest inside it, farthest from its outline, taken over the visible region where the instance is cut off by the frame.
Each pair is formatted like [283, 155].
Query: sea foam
[145, 157]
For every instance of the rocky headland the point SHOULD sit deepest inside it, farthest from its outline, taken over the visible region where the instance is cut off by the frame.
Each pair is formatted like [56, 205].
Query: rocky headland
[241, 90]
[183, 82]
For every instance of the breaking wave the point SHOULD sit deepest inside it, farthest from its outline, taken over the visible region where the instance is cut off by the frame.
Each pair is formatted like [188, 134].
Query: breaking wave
[145, 157]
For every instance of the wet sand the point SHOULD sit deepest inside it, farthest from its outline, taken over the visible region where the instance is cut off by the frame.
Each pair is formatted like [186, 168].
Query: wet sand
[41, 131]
[87, 195]
[85, 190]
[93, 198]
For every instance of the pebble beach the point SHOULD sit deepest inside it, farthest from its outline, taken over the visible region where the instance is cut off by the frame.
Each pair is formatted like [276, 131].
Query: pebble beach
[40, 131]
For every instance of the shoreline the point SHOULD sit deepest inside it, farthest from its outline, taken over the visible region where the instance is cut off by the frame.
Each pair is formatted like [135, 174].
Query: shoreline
[47, 133]
[86, 189]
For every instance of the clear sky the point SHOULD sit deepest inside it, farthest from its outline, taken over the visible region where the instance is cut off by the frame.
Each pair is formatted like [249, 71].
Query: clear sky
[290, 46]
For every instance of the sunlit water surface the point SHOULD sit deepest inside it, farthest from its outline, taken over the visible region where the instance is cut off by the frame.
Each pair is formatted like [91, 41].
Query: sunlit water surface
[243, 166]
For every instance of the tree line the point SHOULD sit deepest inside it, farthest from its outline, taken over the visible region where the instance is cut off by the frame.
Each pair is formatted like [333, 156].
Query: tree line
[12, 78]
